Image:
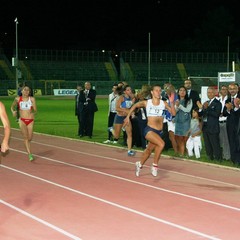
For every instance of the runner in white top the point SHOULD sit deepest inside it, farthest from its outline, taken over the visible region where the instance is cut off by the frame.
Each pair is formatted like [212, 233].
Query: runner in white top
[153, 131]
[27, 111]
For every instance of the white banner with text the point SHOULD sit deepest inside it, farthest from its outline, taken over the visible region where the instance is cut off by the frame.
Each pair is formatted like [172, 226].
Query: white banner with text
[65, 92]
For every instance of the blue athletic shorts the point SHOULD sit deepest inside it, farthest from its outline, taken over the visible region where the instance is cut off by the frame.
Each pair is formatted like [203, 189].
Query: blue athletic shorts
[149, 129]
[119, 119]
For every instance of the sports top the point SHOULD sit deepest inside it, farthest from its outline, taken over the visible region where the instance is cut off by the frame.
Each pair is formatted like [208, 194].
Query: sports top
[24, 105]
[127, 103]
[155, 110]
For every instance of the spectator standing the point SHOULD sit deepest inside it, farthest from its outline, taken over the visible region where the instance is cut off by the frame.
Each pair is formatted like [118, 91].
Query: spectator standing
[120, 92]
[223, 136]
[232, 112]
[27, 110]
[169, 119]
[78, 109]
[19, 93]
[143, 94]
[122, 84]
[88, 107]
[211, 111]
[192, 94]
[136, 132]
[112, 99]
[182, 119]
[194, 143]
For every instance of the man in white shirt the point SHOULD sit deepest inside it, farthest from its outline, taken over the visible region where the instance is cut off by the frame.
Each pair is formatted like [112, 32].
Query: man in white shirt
[112, 98]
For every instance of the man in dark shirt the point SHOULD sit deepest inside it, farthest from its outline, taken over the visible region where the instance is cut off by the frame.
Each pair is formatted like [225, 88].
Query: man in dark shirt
[77, 108]
[19, 93]
[192, 94]
[87, 108]
[211, 111]
[232, 112]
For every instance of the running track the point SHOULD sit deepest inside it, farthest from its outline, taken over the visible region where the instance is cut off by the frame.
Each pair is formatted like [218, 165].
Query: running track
[80, 190]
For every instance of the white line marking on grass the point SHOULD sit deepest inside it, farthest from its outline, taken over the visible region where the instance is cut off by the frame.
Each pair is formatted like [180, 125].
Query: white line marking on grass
[115, 205]
[40, 220]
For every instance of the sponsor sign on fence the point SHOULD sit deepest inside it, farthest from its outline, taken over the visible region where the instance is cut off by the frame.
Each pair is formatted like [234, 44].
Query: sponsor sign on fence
[65, 92]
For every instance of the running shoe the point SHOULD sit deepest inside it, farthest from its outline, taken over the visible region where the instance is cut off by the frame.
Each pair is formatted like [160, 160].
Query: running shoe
[131, 153]
[115, 142]
[107, 141]
[138, 168]
[110, 129]
[31, 158]
[154, 170]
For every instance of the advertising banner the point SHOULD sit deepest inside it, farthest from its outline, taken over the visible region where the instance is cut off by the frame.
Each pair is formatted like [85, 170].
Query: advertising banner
[65, 92]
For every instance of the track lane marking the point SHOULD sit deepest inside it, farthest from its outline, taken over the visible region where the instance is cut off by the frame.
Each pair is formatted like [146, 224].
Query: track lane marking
[107, 202]
[135, 182]
[123, 161]
[40, 220]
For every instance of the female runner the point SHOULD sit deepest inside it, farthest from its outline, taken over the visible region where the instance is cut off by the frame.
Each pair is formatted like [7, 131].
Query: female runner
[155, 114]
[123, 104]
[27, 110]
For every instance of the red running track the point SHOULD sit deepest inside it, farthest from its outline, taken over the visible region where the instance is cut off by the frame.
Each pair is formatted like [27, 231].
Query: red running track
[79, 190]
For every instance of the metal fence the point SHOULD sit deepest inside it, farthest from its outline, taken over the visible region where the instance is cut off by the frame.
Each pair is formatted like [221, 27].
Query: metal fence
[136, 80]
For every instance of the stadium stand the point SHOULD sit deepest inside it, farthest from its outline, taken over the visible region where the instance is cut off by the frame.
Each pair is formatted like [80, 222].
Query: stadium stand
[68, 71]
[204, 70]
[159, 72]
[50, 69]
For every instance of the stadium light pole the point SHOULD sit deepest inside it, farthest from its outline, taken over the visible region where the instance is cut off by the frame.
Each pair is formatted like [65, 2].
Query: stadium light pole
[16, 22]
[228, 40]
[149, 59]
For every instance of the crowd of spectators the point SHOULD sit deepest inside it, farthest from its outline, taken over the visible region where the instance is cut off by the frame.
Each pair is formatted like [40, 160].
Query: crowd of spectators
[213, 124]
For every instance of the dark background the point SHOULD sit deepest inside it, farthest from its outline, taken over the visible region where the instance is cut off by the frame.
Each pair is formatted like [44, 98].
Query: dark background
[190, 25]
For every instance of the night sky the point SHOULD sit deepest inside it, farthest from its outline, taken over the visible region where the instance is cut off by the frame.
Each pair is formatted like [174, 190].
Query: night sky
[115, 24]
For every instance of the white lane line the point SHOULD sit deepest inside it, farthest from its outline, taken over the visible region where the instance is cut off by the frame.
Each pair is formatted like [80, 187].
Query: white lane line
[136, 182]
[40, 220]
[123, 161]
[118, 206]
